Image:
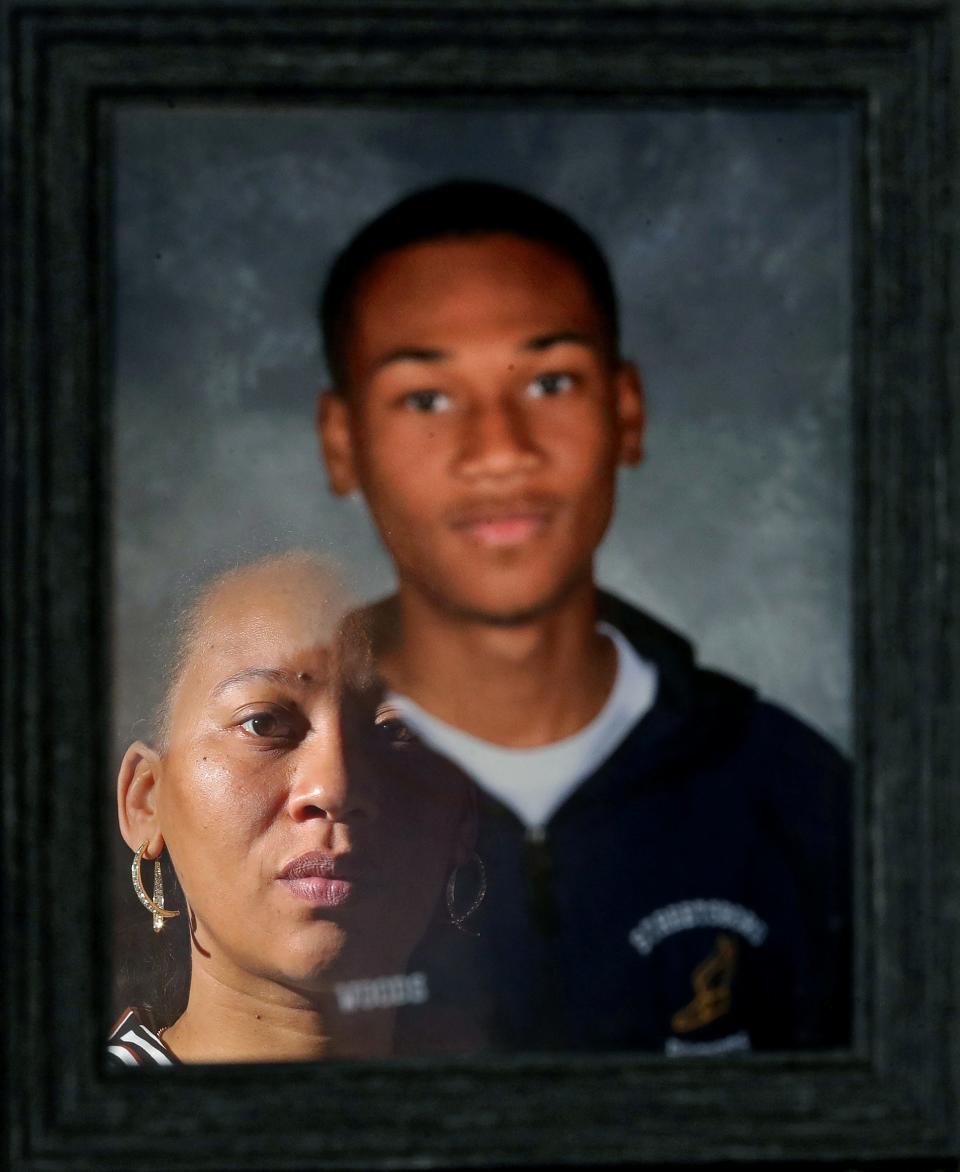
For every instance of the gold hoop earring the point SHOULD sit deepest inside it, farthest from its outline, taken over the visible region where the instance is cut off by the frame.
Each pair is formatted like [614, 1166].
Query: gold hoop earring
[155, 905]
[458, 919]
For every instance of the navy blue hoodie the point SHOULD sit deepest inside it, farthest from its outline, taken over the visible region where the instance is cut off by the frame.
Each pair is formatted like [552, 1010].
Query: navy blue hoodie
[691, 896]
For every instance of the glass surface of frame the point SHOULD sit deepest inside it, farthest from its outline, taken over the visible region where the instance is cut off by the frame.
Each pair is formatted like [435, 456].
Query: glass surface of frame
[69, 81]
[730, 235]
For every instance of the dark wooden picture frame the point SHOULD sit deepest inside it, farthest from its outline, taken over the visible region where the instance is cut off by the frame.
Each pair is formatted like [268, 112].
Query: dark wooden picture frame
[894, 1095]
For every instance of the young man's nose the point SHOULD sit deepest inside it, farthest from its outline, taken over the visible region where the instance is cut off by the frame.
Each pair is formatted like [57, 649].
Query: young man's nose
[497, 441]
[324, 786]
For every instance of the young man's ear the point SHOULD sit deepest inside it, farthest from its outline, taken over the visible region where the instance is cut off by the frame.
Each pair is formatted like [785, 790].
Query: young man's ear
[631, 413]
[137, 798]
[335, 433]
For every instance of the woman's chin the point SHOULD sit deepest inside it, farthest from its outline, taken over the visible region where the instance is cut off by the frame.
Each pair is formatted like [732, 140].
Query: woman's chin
[305, 960]
[337, 970]
[321, 957]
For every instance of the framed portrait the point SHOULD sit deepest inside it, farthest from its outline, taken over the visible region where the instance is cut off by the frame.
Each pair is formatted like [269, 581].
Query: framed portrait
[773, 187]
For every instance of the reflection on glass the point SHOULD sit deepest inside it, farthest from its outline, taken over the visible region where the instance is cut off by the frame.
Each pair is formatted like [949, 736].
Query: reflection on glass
[664, 855]
[299, 841]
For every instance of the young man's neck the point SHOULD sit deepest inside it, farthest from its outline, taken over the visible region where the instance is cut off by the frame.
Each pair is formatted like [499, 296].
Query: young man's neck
[521, 686]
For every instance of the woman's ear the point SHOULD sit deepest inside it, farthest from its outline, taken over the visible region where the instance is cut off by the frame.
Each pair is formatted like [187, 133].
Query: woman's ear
[137, 782]
[335, 433]
[631, 412]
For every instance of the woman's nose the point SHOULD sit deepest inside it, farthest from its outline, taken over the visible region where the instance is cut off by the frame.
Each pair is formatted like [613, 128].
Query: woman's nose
[324, 786]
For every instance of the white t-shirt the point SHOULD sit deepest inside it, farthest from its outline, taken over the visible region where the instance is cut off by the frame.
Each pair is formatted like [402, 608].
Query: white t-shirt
[535, 782]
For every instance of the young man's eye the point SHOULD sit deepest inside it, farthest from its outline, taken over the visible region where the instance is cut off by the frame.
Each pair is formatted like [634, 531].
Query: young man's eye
[549, 385]
[427, 402]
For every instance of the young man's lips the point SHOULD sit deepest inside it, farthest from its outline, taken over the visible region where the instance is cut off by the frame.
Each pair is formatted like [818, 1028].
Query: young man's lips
[500, 530]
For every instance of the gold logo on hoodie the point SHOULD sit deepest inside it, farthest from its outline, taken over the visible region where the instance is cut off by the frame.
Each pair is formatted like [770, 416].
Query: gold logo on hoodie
[712, 982]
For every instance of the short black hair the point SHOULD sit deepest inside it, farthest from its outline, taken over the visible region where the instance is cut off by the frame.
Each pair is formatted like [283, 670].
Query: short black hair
[458, 208]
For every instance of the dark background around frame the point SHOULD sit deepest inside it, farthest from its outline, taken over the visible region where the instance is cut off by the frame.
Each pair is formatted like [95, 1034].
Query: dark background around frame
[893, 1098]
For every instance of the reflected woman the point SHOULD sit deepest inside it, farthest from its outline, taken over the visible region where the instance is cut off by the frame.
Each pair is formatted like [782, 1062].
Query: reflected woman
[311, 850]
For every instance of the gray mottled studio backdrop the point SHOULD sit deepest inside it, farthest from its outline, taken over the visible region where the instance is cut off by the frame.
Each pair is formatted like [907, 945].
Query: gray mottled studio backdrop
[729, 233]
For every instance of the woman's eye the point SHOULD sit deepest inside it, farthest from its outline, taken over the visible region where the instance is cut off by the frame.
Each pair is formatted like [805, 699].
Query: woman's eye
[267, 724]
[390, 725]
[549, 385]
[427, 402]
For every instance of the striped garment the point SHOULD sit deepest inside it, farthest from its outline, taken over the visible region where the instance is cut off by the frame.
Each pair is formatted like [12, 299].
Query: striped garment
[132, 1044]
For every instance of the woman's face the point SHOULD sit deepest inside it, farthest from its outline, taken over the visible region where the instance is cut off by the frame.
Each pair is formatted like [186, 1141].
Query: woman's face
[311, 842]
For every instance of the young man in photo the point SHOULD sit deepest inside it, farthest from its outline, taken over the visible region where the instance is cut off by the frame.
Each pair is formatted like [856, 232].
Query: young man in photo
[665, 854]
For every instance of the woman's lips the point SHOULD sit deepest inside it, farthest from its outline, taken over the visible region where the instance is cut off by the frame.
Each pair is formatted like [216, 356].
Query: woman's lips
[318, 878]
[320, 892]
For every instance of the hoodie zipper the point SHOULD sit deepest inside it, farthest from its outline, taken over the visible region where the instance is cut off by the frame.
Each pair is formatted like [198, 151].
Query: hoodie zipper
[540, 881]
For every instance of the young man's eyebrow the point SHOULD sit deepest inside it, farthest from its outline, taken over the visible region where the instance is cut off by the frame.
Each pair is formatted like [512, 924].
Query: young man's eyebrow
[273, 675]
[535, 345]
[411, 354]
[545, 341]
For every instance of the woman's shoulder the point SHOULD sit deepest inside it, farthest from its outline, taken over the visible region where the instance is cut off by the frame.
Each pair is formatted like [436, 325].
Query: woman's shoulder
[131, 1043]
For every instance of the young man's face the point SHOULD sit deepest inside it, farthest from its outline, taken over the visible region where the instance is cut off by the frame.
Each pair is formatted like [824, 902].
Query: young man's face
[484, 421]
